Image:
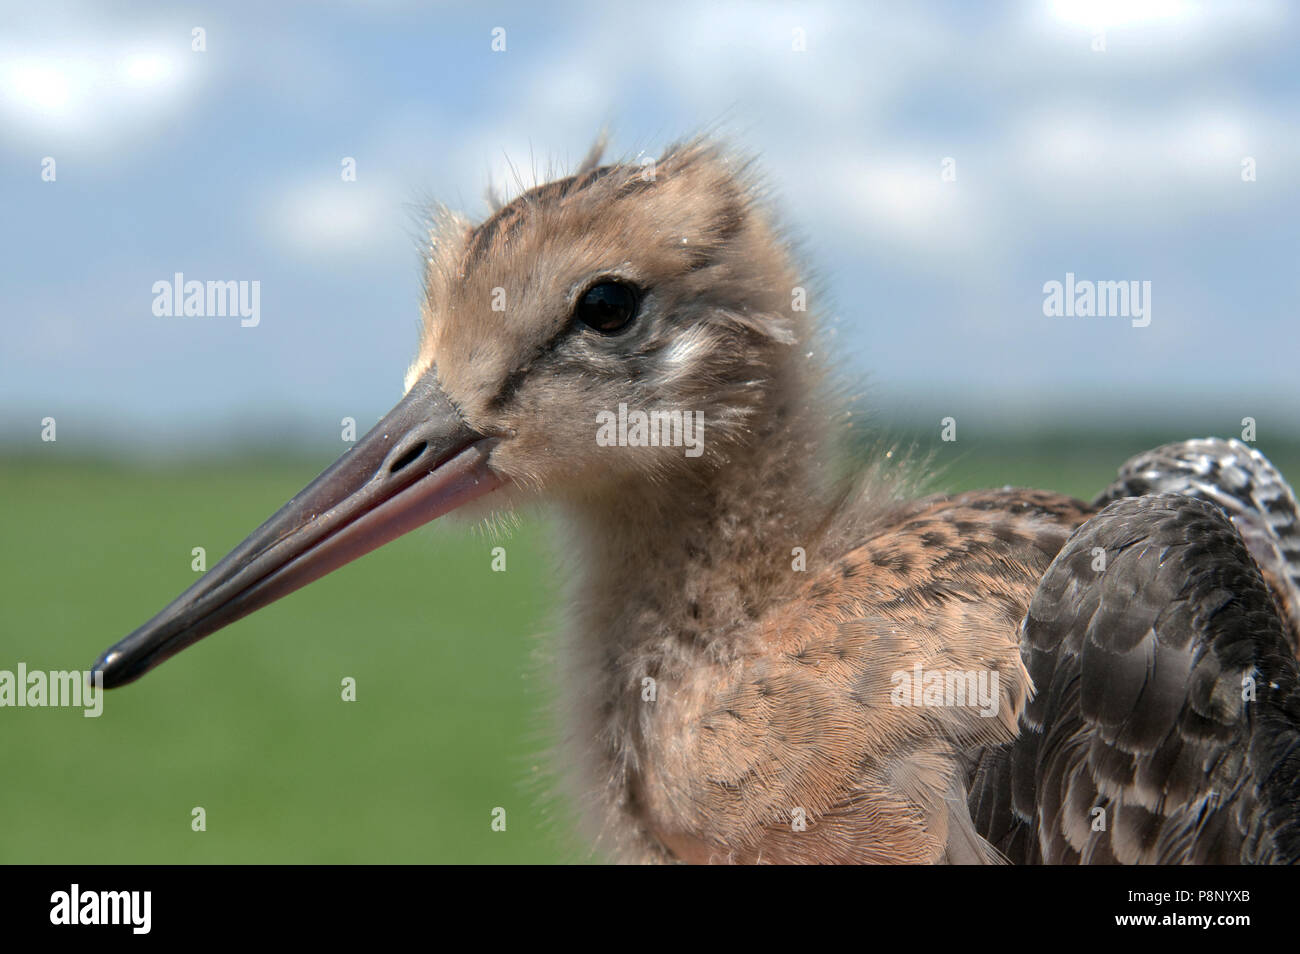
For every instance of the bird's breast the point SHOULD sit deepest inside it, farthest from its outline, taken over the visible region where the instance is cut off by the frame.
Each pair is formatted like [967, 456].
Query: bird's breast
[842, 724]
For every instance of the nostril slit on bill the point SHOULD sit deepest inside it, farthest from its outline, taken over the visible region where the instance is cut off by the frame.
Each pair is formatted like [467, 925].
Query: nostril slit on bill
[408, 458]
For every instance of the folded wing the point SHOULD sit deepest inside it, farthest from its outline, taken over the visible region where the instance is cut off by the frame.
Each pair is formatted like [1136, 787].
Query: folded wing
[1165, 727]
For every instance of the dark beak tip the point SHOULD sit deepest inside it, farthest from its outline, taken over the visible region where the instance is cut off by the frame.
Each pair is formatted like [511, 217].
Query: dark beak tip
[112, 666]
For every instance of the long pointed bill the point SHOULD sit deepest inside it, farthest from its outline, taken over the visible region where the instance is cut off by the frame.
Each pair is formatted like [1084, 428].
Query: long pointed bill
[416, 464]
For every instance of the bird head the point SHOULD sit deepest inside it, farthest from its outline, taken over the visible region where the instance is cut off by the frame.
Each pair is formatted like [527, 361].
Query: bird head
[630, 323]
[625, 289]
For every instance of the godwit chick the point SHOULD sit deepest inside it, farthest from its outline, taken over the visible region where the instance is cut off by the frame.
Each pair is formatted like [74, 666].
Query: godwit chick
[763, 662]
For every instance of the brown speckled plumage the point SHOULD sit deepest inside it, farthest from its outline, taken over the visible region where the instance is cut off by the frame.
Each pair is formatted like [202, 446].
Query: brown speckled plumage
[769, 696]
[763, 661]
[799, 715]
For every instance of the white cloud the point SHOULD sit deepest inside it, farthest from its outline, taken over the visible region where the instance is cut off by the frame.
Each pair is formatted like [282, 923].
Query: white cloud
[322, 218]
[1103, 14]
[1189, 153]
[1155, 36]
[902, 200]
[96, 88]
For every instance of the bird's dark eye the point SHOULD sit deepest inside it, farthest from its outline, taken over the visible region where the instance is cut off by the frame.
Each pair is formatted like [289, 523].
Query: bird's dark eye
[607, 307]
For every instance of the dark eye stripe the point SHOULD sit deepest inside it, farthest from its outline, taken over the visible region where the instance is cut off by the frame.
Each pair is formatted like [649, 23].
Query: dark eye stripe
[606, 306]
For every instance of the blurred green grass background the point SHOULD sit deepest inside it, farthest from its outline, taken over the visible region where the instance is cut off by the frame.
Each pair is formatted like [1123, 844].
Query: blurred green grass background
[249, 724]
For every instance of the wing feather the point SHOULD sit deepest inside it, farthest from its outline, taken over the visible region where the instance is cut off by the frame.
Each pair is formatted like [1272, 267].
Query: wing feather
[1166, 721]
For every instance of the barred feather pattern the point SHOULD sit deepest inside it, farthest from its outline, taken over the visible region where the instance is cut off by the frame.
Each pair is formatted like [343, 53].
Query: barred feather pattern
[1165, 727]
[1246, 486]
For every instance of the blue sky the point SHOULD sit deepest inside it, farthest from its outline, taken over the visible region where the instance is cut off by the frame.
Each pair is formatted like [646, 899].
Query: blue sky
[1116, 164]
